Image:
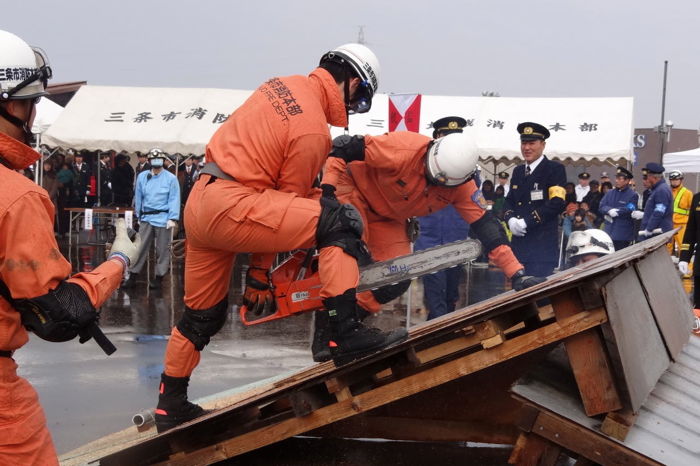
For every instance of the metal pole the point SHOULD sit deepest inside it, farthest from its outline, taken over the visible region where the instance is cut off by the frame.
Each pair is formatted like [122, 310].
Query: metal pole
[662, 125]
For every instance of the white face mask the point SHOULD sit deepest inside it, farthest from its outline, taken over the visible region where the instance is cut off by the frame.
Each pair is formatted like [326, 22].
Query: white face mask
[157, 163]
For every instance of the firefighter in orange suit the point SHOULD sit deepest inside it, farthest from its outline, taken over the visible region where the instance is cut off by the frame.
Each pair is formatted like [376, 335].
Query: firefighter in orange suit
[682, 198]
[34, 291]
[393, 177]
[254, 195]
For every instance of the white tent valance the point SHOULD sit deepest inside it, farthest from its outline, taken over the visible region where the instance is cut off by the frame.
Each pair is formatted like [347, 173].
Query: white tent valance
[687, 161]
[183, 120]
[177, 120]
[582, 129]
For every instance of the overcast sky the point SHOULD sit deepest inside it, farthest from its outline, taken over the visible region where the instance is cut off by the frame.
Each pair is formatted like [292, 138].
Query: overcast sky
[535, 48]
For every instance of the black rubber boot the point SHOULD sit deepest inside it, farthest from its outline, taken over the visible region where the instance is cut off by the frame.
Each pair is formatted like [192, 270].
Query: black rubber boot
[350, 339]
[131, 281]
[322, 336]
[156, 283]
[173, 408]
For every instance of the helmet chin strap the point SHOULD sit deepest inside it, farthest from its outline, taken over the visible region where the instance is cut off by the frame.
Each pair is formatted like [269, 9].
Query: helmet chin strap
[22, 125]
[347, 103]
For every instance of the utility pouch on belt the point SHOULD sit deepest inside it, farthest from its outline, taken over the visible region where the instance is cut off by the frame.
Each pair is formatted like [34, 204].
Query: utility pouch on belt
[60, 315]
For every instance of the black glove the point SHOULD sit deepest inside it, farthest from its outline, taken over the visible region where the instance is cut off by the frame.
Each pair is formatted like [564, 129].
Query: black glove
[328, 198]
[258, 296]
[413, 229]
[348, 148]
[520, 281]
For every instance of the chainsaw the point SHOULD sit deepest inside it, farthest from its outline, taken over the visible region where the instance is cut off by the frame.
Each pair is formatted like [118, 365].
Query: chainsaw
[296, 285]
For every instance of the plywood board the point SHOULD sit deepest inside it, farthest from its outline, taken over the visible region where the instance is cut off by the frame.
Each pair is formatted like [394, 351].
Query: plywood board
[638, 342]
[667, 298]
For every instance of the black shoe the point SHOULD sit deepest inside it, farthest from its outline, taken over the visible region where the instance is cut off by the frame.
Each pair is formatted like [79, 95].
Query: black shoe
[131, 281]
[320, 351]
[173, 408]
[156, 283]
[350, 339]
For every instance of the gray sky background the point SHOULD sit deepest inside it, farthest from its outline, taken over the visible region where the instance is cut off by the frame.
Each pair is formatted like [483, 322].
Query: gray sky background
[535, 48]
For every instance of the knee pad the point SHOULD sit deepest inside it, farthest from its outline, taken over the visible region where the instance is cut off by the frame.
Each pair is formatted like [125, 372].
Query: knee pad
[388, 292]
[200, 325]
[490, 232]
[342, 226]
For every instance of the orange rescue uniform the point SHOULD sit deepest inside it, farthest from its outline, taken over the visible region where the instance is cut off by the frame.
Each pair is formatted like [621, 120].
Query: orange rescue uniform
[274, 145]
[390, 186]
[31, 265]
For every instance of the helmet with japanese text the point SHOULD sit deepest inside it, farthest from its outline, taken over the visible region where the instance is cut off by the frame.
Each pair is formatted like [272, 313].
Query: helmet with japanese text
[365, 65]
[451, 160]
[591, 241]
[24, 70]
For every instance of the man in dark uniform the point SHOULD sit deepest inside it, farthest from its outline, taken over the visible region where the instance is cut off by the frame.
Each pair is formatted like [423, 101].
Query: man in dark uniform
[690, 247]
[441, 289]
[503, 181]
[658, 211]
[617, 207]
[81, 181]
[534, 203]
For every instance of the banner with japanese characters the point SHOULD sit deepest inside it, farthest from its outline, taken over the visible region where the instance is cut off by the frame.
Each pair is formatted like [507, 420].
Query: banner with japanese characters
[582, 129]
[182, 120]
[178, 121]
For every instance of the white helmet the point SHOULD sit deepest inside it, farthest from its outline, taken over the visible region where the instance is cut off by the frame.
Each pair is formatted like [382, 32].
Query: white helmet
[365, 65]
[24, 70]
[451, 160]
[591, 241]
[675, 175]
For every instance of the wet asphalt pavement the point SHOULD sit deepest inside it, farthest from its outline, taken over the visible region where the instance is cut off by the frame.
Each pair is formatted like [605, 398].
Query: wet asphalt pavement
[87, 395]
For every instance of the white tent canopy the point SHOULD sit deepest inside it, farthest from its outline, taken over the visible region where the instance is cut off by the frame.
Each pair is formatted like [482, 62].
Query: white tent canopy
[582, 129]
[177, 120]
[687, 161]
[47, 112]
[183, 120]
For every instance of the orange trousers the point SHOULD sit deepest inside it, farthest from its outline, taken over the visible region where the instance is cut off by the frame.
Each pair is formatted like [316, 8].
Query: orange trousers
[24, 437]
[224, 218]
[677, 239]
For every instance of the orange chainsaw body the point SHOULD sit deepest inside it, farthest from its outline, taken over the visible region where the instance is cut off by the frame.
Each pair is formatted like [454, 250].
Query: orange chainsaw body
[296, 287]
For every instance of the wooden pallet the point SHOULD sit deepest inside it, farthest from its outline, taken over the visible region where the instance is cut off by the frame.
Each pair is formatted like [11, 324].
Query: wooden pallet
[438, 353]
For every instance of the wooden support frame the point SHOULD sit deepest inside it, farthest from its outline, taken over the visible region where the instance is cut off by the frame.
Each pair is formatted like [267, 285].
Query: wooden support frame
[354, 404]
[548, 428]
[589, 360]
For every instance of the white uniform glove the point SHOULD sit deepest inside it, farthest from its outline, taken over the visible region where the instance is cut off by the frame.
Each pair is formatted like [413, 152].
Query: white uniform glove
[517, 226]
[683, 267]
[123, 249]
[109, 184]
[644, 233]
[637, 214]
[171, 224]
[614, 212]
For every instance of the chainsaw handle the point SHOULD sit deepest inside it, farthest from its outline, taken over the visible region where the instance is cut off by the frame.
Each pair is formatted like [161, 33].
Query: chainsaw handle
[243, 311]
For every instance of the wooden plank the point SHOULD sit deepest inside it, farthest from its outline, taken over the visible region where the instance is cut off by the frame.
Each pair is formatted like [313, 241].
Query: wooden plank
[588, 360]
[618, 424]
[533, 450]
[586, 442]
[363, 402]
[637, 339]
[667, 298]
[419, 429]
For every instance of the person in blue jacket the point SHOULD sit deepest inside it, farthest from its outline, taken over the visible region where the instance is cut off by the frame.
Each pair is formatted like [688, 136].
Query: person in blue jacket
[658, 211]
[617, 206]
[441, 289]
[534, 203]
[157, 207]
